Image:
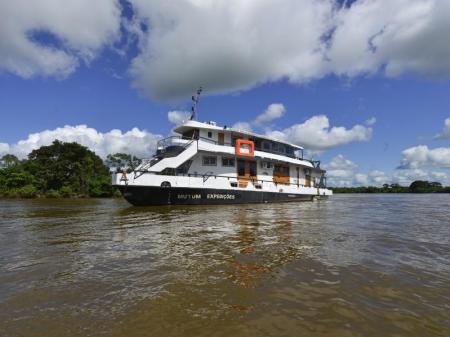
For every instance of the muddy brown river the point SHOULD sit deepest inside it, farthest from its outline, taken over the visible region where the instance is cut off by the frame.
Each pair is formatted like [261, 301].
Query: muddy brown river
[354, 265]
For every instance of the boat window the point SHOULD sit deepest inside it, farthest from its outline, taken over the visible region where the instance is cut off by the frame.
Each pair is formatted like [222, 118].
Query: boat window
[241, 168]
[258, 143]
[275, 147]
[209, 134]
[281, 169]
[209, 161]
[252, 167]
[229, 162]
[266, 145]
[266, 165]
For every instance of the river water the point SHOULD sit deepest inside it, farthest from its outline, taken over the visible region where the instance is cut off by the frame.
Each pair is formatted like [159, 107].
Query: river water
[354, 265]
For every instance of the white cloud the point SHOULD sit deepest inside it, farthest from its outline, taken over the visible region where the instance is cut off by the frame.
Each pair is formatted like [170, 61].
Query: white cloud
[273, 111]
[138, 142]
[80, 27]
[396, 36]
[371, 121]
[445, 134]
[243, 126]
[227, 45]
[406, 176]
[4, 148]
[421, 156]
[178, 117]
[316, 134]
[341, 171]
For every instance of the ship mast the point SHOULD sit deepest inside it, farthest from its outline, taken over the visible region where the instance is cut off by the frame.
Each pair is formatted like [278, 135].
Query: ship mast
[195, 100]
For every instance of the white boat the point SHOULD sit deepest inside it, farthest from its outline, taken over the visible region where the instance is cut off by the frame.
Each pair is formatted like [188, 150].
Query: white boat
[209, 164]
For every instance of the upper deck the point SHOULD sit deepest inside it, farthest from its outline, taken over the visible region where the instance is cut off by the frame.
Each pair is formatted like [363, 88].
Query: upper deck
[227, 136]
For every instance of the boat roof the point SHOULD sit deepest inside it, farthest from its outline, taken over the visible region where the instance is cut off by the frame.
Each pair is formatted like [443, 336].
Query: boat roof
[186, 126]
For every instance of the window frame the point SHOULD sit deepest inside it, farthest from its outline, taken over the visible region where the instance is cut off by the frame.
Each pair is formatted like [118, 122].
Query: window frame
[205, 158]
[229, 159]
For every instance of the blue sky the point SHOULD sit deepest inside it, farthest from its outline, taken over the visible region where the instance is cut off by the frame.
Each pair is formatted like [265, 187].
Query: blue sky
[134, 70]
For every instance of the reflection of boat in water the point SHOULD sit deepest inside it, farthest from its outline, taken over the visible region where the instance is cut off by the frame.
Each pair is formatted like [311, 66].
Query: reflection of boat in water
[209, 164]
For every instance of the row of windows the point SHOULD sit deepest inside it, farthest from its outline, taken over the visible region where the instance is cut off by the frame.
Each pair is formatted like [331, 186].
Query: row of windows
[212, 161]
[230, 162]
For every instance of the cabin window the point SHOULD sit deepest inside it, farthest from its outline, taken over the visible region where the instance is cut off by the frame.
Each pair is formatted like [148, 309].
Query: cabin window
[280, 169]
[266, 145]
[257, 143]
[209, 161]
[228, 162]
[275, 147]
[209, 134]
[266, 165]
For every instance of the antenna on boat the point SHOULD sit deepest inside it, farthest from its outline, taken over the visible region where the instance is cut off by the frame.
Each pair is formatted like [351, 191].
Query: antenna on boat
[195, 100]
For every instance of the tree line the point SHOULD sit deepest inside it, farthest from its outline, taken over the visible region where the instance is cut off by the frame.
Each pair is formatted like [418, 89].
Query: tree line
[418, 186]
[61, 170]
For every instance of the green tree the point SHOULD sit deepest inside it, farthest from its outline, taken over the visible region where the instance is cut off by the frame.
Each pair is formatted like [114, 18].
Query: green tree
[421, 186]
[9, 160]
[65, 166]
[123, 160]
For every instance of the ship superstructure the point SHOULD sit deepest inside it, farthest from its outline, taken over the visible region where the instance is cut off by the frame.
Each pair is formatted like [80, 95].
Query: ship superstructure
[204, 163]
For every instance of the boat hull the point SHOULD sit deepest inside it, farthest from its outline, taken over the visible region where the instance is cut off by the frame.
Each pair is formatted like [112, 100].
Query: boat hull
[154, 196]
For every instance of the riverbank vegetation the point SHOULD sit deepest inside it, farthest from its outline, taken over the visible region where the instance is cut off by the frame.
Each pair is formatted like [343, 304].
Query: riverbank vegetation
[418, 186]
[60, 170]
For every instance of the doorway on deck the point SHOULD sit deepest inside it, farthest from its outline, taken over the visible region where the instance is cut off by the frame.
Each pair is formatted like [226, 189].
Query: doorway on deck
[246, 170]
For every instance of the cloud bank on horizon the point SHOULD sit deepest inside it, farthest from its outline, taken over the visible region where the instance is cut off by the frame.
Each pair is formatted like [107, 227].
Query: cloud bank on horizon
[229, 45]
[138, 142]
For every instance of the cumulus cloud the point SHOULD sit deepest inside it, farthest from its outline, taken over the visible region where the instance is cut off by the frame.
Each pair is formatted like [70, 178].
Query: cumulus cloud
[244, 126]
[79, 28]
[445, 134]
[138, 142]
[422, 156]
[342, 172]
[178, 117]
[316, 134]
[227, 45]
[273, 111]
[396, 36]
[406, 176]
[247, 43]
